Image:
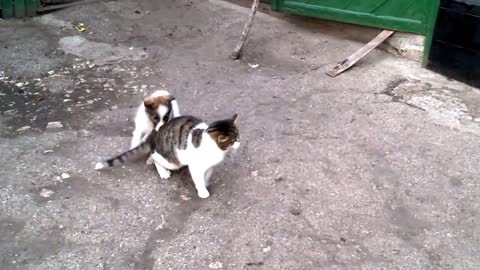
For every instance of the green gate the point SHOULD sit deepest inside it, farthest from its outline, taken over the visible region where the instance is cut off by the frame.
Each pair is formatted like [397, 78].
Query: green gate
[18, 8]
[416, 16]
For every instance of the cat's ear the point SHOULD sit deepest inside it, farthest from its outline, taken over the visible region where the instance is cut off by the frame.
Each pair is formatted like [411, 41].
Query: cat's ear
[164, 100]
[234, 119]
[222, 138]
[149, 102]
[154, 102]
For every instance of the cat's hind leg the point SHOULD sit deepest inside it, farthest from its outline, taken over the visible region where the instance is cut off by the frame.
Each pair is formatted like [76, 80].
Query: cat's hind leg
[136, 139]
[164, 173]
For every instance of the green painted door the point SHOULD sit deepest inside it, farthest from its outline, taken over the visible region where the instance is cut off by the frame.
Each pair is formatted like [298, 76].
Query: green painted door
[416, 16]
[403, 15]
[18, 8]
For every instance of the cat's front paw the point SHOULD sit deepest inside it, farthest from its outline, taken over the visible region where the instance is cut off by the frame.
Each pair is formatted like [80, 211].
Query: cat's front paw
[203, 194]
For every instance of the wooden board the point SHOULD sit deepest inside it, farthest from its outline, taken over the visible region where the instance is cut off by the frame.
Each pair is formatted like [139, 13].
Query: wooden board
[352, 59]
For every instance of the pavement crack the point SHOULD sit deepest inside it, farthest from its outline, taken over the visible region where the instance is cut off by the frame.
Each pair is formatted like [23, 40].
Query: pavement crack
[396, 97]
[392, 85]
[413, 106]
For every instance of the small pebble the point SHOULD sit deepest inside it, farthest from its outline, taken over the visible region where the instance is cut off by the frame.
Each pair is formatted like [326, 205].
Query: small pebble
[254, 263]
[215, 265]
[295, 211]
[185, 197]
[279, 179]
[65, 175]
[46, 193]
[54, 125]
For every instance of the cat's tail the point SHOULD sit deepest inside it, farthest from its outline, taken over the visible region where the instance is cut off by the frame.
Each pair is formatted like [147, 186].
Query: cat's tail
[143, 149]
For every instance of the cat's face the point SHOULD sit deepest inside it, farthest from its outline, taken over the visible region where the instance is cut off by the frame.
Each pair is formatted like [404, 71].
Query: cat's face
[225, 133]
[158, 108]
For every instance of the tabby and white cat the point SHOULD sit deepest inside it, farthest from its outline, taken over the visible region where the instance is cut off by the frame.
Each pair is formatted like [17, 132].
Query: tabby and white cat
[186, 141]
[157, 108]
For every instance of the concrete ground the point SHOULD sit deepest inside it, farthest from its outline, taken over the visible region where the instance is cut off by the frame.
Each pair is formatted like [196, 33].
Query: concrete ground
[375, 169]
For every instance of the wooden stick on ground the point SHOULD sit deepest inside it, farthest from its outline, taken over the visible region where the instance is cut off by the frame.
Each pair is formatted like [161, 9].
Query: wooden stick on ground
[352, 59]
[246, 30]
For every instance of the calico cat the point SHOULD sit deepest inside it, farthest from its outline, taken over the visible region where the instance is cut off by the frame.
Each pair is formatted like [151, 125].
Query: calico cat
[155, 109]
[186, 141]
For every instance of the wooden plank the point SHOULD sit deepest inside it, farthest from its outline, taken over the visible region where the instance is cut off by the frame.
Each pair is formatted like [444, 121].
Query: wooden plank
[19, 8]
[352, 59]
[7, 9]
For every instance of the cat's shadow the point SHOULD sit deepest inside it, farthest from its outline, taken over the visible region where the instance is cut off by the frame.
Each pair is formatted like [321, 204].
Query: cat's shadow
[185, 186]
[183, 179]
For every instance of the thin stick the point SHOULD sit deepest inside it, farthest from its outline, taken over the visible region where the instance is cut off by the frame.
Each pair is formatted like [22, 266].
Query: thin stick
[246, 30]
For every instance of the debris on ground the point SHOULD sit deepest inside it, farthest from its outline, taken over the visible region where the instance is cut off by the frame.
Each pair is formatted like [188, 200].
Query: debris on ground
[54, 125]
[215, 265]
[46, 193]
[80, 27]
[24, 128]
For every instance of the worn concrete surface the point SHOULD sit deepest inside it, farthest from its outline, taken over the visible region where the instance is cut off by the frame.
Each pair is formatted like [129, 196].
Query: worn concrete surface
[375, 169]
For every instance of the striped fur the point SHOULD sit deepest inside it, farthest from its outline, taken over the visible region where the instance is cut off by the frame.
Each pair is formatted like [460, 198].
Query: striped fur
[145, 148]
[185, 141]
[188, 141]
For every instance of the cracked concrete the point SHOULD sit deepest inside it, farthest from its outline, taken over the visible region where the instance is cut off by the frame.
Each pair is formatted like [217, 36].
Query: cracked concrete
[374, 169]
[444, 105]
